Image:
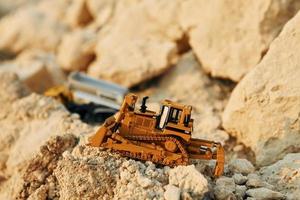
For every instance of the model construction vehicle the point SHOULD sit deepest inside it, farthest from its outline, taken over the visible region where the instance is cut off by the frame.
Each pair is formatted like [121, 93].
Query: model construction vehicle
[163, 138]
[93, 99]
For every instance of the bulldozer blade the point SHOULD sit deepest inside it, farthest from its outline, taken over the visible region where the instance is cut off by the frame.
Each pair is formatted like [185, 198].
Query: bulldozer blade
[219, 168]
[97, 139]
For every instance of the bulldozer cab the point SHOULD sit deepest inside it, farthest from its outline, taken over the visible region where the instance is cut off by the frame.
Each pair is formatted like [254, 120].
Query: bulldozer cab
[176, 117]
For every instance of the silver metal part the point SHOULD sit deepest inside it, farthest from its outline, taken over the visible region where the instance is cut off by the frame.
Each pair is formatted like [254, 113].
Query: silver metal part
[88, 89]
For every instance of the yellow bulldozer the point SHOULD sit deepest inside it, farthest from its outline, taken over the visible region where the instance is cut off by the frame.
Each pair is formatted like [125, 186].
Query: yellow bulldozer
[164, 138]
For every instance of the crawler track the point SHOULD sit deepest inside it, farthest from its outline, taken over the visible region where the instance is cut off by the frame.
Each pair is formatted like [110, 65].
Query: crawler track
[151, 157]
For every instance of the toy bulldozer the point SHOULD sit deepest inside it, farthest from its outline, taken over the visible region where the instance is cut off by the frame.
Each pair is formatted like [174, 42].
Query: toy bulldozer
[163, 138]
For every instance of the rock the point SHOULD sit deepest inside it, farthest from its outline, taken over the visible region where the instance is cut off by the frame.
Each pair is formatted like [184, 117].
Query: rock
[35, 26]
[101, 11]
[28, 123]
[240, 191]
[188, 179]
[140, 181]
[224, 188]
[130, 63]
[78, 14]
[7, 6]
[172, 192]
[35, 75]
[76, 50]
[254, 181]
[49, 60]
[92, 180]
[233, 39]
[242, 166]
[43, 164]
[40, 193]
[37, 69]
[11, 88]
[31, 122]
[271, 87]
[239, 179]
[199, 91]
[145, 49]
[284, 175]
[264, 194]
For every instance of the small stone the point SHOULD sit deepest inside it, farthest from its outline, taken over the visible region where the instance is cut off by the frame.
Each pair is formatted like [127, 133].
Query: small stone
[254, 181]
[144, 182]
[239, 179]
[238, 148]
[225, 188]
[172, 192]
[264, 194]
[242, 166]
[189, 179]
[240, 191]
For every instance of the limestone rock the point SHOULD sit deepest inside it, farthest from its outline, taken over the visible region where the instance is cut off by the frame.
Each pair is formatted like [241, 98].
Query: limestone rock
[7, 6]
[140, 181]
[284, 175]
[37, 69]
[230, 37]
[11, 88]
[224, 188]
[129, 63]
[42, 58]
[147, 46]
[34, 26]
[240, 191]
[188, 179]
[263, 110]
[264, 194]
[92, 180]
[239, 179]
[255, 181]
[76, 50]
[43, 164]
[172, 192]
[242, 166]
[101, 11]
[27, 124]
[30, 123]
[78, 14]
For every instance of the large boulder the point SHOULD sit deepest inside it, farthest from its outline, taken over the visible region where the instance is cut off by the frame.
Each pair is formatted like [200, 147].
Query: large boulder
[263, 110]
[76, 50]
[101, 11]
[230, 37]
[34, 26]
[138, 42]
[11, 89]
[37, 69]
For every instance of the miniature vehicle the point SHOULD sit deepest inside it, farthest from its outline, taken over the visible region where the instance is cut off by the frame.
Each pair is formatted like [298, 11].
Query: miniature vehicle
[94, 100]
[163, 138]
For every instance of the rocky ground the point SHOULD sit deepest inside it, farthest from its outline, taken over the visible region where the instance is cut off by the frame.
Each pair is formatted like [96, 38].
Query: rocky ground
[236, 62]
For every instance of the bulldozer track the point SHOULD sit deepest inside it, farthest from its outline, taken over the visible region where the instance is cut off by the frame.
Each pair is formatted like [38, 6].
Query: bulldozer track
[141, 156]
